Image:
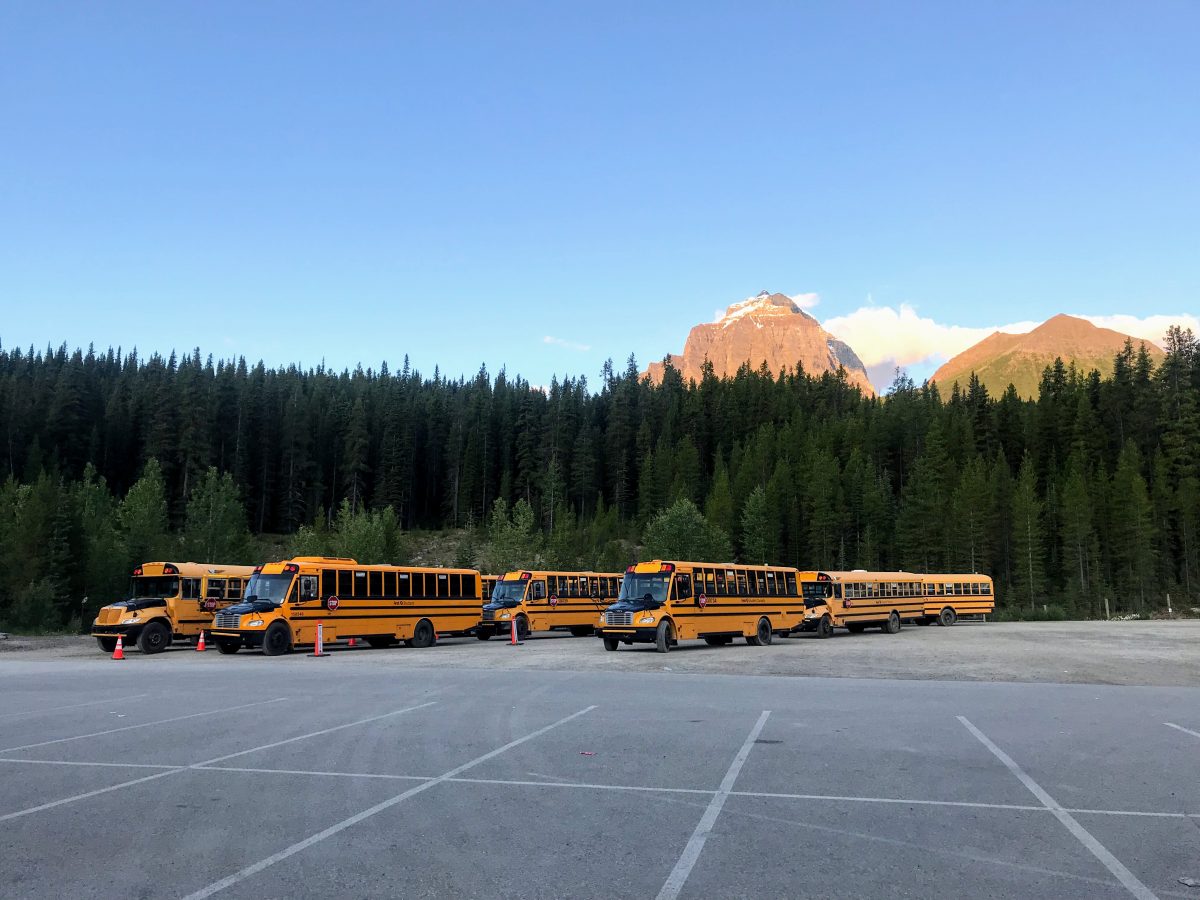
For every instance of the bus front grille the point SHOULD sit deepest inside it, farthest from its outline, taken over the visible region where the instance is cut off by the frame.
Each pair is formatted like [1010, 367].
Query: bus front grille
[489, 615]
[618, 618]
[227, 620]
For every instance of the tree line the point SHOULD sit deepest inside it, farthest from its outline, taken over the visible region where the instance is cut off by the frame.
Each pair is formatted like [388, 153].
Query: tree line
[1089, 492]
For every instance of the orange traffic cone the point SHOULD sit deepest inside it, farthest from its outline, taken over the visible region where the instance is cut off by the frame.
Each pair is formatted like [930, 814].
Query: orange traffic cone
[200, 643]
[119, 652]
[352, 644]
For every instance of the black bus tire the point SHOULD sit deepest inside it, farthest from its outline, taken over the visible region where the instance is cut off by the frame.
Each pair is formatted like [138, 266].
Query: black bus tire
[228, 646]
[155, 638]
[825, 627]
[855, 627]
[522, 627]
[947, 617]
[277, 640]
[892, 625]
[762, 633]
[611, 643]
[483, 634]
[581, 630]
[107, 644]
[423, 635]
[664, 636]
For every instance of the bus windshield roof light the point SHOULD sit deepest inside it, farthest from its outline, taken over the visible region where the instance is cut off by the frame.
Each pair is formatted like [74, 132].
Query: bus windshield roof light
[258, 570]
[292, 568]
[525, 576]
[666, 567]
[137, 572]
[169, 569]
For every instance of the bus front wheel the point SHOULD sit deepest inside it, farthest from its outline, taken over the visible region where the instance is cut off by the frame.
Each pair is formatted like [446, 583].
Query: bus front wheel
[228, 646]
[825, 627]
[892, 625]
[611, 643]
[278, 639]
[947, 617]
[664, 636]
[155, 638]
[107, 644]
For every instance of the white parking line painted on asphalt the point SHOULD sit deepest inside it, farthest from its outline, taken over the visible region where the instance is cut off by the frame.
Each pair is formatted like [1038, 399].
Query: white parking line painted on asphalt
[72, 762]
[200, 765]
[107, 700]
[248, 871]
[1085, 837]
[593, 786]
[691, 852]
[80, 737]
[312, 734]
[1181, 728]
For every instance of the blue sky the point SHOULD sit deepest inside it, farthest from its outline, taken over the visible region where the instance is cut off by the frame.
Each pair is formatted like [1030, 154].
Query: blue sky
[460, 182]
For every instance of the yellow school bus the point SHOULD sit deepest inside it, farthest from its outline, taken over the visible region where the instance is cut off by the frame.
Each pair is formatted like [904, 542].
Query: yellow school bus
[948, 596]
[378, 604]
[859, 600]
[169, 600]
[547, 601]
[663, 602]
[487, 584]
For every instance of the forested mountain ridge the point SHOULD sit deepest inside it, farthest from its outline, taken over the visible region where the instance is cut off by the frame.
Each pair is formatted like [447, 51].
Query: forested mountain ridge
[1090, 491]
[1002, 359]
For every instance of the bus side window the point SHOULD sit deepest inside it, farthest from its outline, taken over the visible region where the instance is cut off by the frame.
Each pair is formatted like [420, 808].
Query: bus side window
[539, 590]
[404, 589]
[345, 583]
[191, 589]
[308, 588]
[216, 588]
[683, 587]
[234, 589]
[791, 585]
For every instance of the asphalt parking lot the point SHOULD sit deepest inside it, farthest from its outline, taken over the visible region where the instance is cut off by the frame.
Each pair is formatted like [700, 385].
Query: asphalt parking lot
[189, 775]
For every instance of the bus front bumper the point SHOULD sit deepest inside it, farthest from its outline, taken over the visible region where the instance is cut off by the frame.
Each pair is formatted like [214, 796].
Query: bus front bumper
[628, 635]
[126, 632]
[248, 637]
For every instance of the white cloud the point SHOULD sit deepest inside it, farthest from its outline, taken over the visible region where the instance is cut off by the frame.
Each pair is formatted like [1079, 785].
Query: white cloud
[806, 301]
[883, 334]
[570, 345]
[887, 337]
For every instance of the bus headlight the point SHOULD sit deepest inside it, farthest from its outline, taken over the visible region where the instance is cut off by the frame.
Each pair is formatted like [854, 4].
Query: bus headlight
[646, 620]
[505, 615]
[132, 620]
[254, 623]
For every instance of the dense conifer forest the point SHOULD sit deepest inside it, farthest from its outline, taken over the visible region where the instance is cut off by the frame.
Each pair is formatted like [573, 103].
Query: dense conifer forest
[1092, 491]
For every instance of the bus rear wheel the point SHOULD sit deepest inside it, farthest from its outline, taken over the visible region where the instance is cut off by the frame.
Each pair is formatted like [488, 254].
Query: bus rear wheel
[278, 639]
[483, 634]
[664, 636]
[581, 630]
[423, 635]
[155, 638]
[762, 634]
[825, 627]
[611, 643]
[228, 646]
[947, 617]
[892, 625]
[855, 627]
[107, 644]
[718, 640]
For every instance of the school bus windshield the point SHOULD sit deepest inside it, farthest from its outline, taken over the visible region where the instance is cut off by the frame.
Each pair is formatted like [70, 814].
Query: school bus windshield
[652, 588]
[817, 592]
[272, 588]
[147, 586]
[509, 592]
